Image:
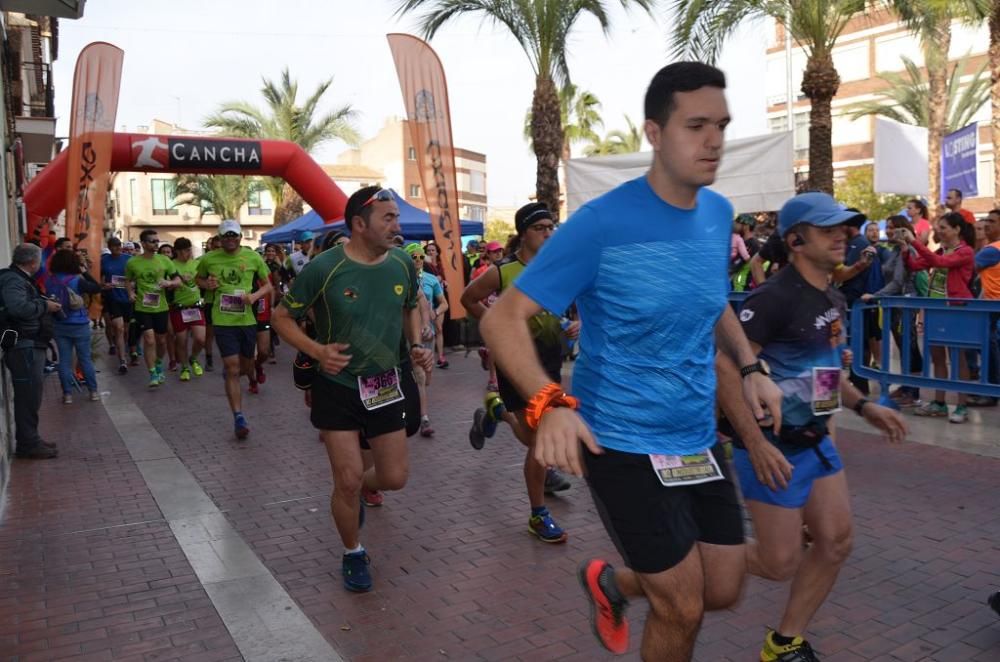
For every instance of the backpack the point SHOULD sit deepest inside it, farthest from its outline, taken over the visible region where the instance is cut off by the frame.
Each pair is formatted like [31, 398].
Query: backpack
[61, 289]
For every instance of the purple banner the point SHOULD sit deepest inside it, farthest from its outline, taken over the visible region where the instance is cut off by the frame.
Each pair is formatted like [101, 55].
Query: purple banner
[959, 159]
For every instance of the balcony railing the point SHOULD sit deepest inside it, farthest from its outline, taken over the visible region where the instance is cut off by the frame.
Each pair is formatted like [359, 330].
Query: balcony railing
[37, 94]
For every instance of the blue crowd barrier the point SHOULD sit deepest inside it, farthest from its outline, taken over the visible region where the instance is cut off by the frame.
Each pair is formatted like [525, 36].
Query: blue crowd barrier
[956, 324]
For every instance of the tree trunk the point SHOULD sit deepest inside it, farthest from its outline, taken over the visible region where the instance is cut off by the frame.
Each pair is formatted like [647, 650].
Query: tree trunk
[290, 208]
[547, 142]
[995, 120]
[820, 83]
[936, 46]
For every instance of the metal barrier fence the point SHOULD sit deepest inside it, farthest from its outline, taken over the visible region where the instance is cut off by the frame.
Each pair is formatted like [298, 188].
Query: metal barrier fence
[959, 325]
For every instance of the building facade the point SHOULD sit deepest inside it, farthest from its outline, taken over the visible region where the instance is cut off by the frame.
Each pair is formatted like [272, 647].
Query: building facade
[391, 152]
[871, 44]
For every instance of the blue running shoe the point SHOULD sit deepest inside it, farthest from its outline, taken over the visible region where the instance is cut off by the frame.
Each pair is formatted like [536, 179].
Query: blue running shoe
[543, 526]
[357, 577]
[241, 426]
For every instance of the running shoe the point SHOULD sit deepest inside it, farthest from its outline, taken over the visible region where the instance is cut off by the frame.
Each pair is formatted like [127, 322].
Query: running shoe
[492, 386]
[261, 377]
[607, 605]
[994, 602]
[443, 363]
[154, 379]
[546, 528]
[371, 498]
[185, 375]
[495, 410]
[162, 376]
[208, 364]
[196, 368]
[477, 439]
[133, 359]
[67, 399]
[555, 482]
[95, 396]
[425, 428]
[50, 367]
[253, 387]
[797, 651]
[122, 368]
[484, 357]
[357, 577]
[960, 415]
[933, 409]
[241, 427]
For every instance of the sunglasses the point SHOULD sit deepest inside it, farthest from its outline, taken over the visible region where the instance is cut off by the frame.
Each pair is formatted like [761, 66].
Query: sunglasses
[231, 235]
[382, 195]
[418, 257]
[151, 241]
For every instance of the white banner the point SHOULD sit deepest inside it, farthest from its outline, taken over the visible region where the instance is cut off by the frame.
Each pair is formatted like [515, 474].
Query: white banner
[900, 158]
[756, 173]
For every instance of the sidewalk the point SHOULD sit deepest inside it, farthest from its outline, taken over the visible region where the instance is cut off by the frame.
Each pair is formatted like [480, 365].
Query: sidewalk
[91, 565]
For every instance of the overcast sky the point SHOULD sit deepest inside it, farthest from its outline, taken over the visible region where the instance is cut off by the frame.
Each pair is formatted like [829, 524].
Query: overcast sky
[184, 57]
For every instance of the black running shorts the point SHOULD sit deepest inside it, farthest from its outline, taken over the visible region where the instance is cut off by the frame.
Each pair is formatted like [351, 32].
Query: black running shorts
[411, 405]
[654, 527]
[115, 308]
[338, 407]
[157, 322]
[232, 340]
[512, 400]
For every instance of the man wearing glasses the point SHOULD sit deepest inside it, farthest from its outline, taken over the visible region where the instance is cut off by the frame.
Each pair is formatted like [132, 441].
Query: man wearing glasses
[357, 293]
[534, 226]
[230, 274]
[147, 276]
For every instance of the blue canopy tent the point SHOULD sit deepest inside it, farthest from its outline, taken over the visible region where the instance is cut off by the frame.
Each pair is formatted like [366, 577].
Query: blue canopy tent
[414, 223]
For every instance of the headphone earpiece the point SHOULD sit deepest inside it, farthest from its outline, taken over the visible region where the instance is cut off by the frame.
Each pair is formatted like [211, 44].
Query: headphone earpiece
[798, 241]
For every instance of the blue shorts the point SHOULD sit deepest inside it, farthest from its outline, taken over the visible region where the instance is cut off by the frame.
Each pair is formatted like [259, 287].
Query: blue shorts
[233, 340]
[808, 468]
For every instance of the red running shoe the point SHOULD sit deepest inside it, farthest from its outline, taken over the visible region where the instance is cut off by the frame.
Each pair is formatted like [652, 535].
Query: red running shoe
[371, 498]
[607, 605]
[261, 377]
[253, 387]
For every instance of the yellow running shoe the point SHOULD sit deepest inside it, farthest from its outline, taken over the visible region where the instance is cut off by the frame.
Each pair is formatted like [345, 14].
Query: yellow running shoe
[797, 651]
[196, 368]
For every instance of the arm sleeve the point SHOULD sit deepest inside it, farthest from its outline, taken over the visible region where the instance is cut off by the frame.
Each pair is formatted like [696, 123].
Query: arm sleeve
[567, 264]
[895, 284]
[988, 257]
[959, 258]
[915, 262]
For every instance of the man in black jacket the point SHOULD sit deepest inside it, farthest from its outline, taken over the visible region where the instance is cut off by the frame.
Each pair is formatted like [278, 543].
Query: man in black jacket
[25, 311]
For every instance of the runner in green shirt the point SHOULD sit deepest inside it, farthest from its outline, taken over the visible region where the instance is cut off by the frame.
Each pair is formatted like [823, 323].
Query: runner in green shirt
[363, 295]
[148, 276]
[187, 316]
[230, 273]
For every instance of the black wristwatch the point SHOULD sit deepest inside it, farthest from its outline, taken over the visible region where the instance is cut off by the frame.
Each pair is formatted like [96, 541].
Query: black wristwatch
[758, 366]
[859, 406]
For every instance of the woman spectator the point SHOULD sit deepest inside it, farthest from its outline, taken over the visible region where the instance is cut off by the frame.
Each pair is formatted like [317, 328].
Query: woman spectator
[953, 266]
[900, 281]
[917, 212]
[68, 280]
[432, 264]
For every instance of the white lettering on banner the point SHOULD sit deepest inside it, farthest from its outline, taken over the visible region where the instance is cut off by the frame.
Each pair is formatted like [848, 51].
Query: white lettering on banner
[223, 153]
[960, 145]
[174, 153]
[245, 156]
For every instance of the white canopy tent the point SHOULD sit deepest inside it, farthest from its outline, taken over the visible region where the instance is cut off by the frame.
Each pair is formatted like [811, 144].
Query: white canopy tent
[756, 173]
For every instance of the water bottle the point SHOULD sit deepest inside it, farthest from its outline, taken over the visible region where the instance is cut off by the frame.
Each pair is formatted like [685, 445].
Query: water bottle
[564, 322]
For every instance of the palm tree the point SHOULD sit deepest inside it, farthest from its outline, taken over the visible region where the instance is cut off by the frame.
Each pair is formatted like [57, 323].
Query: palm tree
[907, 100]
[580, 116]
[284, 119]
[224, 195]
[931, 21]
[617, 141]
[542, 28]
[704, 25]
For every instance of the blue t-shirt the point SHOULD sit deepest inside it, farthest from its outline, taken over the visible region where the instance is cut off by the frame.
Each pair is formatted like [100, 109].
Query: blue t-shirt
[853, 289]
[115, 266]
[431, 287]
[650, 283]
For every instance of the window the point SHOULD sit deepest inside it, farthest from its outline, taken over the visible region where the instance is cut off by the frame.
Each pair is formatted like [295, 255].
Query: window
[477, 183]
[164, 191]
[411, 154]
[779, 123]
[414, 190]
[475, 213]
[133, 194]
[259, 203]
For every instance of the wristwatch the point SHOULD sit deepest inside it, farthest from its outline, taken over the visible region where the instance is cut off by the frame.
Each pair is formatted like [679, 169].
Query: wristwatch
[760, 365]
[859, 406]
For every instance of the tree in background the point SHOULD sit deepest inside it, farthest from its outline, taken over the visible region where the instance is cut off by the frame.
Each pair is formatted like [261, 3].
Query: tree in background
[497, 229]
[930, 21]
[704, 25]
[284, 119]
[580, 113]
[542, 28]
[224, 195]
[857, 190]
[617, 141]
[907, 100]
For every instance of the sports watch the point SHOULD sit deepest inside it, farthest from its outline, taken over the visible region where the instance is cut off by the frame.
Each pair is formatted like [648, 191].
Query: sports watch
[760, 365]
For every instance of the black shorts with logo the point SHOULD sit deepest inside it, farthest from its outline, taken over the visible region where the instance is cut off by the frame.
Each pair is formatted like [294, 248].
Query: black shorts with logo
[339, 407]
[653, 526]
[551, 361]
[157, 322]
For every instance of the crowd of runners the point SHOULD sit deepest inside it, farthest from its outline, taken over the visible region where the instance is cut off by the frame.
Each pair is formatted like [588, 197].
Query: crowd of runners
[636, 283]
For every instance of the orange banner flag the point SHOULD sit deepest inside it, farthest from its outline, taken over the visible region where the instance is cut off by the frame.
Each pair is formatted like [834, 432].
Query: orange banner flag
[96, 84]
[425, 93]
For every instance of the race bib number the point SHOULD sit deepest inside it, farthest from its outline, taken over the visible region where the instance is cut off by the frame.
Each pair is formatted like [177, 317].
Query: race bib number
[232, 303]
[151, 299]
[118, 282]
[189, 315]
[826, 391]
[693, 469]
[380, 390]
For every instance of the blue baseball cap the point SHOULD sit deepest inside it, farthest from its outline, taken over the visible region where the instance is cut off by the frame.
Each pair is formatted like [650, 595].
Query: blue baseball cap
[817, 209]
[306, 235]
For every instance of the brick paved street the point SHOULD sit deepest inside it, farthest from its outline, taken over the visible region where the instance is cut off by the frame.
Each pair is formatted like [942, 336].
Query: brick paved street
[89, 567]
